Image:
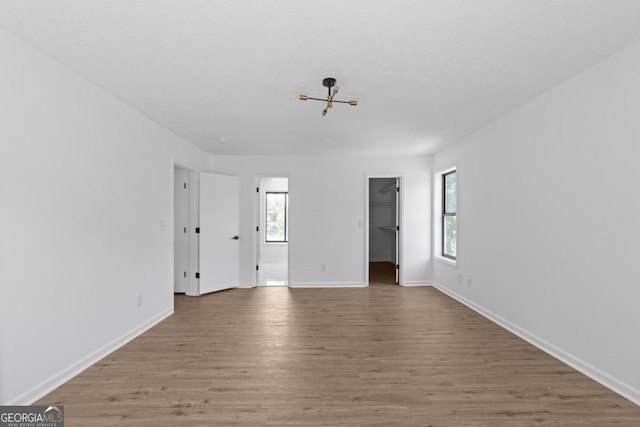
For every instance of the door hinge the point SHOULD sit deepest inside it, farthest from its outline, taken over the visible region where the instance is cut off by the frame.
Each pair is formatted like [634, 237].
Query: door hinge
[185, 229]
[257, 189]
[197, 230]
[397, 228]
[257, 228]
[257, 268]
[197, 275]
[397, 189]
[185, 185]
[397, 266]
[185, 274]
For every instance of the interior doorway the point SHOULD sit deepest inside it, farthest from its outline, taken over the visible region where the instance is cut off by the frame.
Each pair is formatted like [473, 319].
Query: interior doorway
[272, 230]
[205, 231]
[384, 231]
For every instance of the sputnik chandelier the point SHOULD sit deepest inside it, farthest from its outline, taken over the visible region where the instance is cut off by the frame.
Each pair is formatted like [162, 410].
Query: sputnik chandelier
[329, 83]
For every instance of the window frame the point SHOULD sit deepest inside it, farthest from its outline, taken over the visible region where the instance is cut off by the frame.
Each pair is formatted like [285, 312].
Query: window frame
[266, 203]
[438, 229]
[444, 214]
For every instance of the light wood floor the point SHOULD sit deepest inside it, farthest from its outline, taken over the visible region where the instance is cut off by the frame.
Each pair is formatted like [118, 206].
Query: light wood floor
[378, 356]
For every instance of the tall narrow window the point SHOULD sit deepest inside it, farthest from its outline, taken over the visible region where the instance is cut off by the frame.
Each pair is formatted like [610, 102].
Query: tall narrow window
[449, 211]
[276, 217]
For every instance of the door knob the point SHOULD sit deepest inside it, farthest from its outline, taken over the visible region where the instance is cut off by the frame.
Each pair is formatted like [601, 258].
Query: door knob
[235, 237]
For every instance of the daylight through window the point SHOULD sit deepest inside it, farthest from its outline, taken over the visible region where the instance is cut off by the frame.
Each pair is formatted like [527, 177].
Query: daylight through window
[449, 212]
[276, 217]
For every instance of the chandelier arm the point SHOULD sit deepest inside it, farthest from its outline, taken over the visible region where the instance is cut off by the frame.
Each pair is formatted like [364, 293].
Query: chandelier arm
[324, 100]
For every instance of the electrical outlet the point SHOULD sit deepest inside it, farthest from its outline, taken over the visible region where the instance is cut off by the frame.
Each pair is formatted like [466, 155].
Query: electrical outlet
[139, 300]
[323, 267]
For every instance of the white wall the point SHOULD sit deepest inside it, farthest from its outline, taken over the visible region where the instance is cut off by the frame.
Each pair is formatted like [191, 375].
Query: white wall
[271, 252]
[327, 205]
[86, 221]
[548, 214]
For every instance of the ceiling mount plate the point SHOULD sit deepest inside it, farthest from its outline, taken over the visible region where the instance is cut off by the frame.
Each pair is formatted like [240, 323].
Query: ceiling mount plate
[329, 82]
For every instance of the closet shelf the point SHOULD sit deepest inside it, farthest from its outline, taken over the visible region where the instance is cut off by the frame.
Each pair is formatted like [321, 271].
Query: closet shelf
[388, 228]
[388, 188]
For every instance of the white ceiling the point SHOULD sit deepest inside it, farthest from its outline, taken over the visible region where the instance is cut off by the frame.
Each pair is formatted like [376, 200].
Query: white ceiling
[426, 73]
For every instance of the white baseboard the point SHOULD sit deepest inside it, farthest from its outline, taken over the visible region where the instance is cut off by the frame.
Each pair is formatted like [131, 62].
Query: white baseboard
[327, 285]
[56, 380]
[245, 286]
[623, 389]
[413, 283]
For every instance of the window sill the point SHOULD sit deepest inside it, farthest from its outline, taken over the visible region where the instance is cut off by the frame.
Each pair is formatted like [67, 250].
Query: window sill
[276, 243]
[447, 261]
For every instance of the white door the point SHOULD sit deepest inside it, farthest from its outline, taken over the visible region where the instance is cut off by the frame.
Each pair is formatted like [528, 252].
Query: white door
[219, 225]
[180, 224]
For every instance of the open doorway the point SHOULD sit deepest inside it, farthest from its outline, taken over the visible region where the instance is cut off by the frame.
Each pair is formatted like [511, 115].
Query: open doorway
[384, 231]
[205, 231]
[272, 248]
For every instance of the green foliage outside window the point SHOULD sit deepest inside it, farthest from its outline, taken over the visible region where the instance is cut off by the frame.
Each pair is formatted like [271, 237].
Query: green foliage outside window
[276, 217]
[449, 214]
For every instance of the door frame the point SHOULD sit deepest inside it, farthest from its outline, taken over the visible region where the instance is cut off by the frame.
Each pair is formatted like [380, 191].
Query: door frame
[192, 218]
[400, 204]
[256, 216]
[184, 172]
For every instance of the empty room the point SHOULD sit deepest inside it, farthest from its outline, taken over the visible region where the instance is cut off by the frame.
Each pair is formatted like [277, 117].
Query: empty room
[320, 212]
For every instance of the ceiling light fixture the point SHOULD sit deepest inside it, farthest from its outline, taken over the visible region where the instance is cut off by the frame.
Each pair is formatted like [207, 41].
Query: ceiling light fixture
[329, 83]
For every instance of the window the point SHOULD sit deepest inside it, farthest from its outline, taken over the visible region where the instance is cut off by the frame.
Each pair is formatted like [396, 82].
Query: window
[276, 217]
[449, 211]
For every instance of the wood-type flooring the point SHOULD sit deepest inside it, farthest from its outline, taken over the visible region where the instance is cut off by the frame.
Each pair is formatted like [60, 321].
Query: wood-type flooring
[377, 356]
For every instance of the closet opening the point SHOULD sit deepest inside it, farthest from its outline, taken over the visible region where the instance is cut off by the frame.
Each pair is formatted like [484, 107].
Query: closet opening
[384, 231]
